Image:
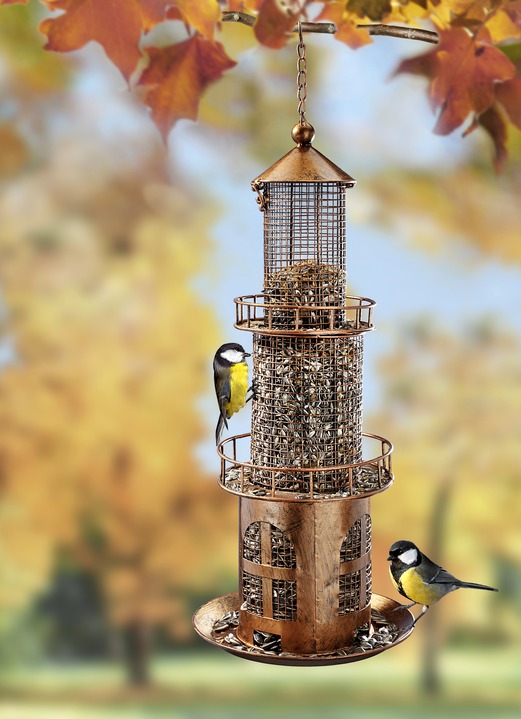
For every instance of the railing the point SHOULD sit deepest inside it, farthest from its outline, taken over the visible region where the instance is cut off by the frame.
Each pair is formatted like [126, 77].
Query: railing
[257, 314]
[360, 479]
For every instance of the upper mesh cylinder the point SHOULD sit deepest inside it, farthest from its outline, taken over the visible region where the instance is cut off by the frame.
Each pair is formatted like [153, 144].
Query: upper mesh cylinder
[305, 243]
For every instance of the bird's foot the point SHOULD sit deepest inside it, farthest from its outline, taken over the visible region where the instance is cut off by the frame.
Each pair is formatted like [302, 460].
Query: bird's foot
[404, 606]
[253, 390]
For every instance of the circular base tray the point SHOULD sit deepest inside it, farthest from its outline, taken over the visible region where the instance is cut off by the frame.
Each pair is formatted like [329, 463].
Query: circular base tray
[207, 615]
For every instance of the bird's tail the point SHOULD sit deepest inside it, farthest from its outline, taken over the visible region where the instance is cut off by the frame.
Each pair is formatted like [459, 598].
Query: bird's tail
[219, 429]
[473, 585]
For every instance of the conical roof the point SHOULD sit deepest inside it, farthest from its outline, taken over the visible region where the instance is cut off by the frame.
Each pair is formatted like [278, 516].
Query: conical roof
[304, 164]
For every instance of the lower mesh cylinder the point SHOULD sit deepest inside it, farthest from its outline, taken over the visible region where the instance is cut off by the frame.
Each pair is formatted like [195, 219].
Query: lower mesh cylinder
[307, 410]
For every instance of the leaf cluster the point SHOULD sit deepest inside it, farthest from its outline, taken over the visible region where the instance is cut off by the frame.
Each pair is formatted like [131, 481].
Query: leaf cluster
[474, 72]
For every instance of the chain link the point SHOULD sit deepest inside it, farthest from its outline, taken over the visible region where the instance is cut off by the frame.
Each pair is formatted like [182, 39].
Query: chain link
[301, 77]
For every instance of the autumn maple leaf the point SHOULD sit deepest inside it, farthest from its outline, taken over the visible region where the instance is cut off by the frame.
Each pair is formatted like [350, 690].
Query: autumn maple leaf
[178, 75]
[117, 25]
[274, 23]
[464, 73]
[347, 30]
[202, 15]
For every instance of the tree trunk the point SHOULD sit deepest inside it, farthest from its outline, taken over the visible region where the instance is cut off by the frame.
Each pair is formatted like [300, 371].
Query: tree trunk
[136, 652]
[431, 679]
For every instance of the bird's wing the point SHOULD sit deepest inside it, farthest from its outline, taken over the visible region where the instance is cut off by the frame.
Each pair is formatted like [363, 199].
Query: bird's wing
[223, 391]
[441, 576]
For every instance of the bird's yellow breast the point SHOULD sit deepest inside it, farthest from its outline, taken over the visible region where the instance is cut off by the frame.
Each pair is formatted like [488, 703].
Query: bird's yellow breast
[416, 589]
[238, 388]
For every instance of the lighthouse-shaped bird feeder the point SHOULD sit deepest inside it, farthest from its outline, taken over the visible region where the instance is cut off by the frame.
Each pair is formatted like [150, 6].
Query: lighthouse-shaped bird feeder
[306, 473]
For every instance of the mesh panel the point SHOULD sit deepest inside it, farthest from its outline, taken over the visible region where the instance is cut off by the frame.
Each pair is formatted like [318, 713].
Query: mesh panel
[304, 222]
[282, 550]
[352, 544]
[307, 410]
[350, 587]
[252, 593]
[284, 595]
[368, 524]
[266, 544]
[368, 584]
[252, 543]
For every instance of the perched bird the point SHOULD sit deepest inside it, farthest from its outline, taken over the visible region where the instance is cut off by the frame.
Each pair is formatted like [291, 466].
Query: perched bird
[419, 579]
[230, 375]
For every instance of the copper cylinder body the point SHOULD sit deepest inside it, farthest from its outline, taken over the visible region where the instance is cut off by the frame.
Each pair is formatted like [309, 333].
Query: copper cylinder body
[316, 602]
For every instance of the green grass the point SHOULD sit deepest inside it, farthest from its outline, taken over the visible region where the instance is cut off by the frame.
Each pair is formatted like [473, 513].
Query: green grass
[215, 685]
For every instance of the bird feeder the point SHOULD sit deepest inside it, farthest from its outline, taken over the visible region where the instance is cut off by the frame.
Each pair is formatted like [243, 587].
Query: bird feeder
[303, 481]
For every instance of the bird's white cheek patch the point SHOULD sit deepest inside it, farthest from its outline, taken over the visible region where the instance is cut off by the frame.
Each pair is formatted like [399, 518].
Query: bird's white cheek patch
[232, 356]
[408, 557]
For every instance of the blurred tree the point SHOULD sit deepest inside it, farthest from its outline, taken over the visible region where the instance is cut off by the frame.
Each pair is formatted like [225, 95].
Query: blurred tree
[112, 346]
[447, 212]
[99, 413]
[451, 405]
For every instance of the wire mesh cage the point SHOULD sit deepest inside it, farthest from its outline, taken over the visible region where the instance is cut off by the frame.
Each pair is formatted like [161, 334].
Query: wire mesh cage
[305, 243]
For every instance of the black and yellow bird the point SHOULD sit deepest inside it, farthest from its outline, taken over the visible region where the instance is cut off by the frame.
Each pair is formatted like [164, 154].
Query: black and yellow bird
[419, 579]
[230, 374]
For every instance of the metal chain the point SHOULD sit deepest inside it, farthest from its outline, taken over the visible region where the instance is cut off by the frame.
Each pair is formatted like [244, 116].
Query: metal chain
[301, 76]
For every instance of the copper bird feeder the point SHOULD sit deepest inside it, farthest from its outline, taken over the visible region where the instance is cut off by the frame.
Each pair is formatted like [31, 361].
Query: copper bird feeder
[304, 486]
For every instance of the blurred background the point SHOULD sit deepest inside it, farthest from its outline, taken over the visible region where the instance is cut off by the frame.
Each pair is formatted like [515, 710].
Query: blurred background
[119, 261]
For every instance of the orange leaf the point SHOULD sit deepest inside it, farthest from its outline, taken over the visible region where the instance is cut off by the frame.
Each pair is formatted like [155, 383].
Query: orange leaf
[202, 15]
[463, 73]
[274, 23]
[116, 25]
[347, 31]
[178, 76]
[509, 95]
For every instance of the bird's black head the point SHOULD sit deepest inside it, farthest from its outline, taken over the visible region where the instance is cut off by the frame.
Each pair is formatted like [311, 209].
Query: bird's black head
[231, 353]
[405, 552]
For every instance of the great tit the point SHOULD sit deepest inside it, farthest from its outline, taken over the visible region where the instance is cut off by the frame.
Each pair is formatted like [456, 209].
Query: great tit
[230, 375]
[419, 579]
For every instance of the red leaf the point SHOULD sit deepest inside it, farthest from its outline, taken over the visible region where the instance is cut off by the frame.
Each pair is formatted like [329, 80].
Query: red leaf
[202, 15]
[425, 64]
[509, 95]
[493, 122]
[466, 78]
[178, 76]
[464, 74]
[273, 24]
[116, 25]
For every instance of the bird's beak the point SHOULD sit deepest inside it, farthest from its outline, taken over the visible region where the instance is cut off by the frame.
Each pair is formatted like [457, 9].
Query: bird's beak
[247, 354]
[389, 558]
